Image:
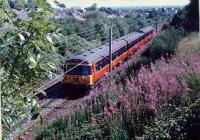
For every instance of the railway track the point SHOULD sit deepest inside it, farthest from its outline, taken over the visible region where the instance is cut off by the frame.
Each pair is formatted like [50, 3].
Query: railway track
[58, 97]
[49, 100]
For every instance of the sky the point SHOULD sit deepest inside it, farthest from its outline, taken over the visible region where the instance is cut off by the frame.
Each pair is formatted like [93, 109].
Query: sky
[120, 3]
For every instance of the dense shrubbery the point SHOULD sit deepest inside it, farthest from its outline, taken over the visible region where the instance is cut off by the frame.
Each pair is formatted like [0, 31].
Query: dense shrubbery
[180, 119]
[188, 18]
[165, 45]
[95, 20]
[26, 56]
[157, 104]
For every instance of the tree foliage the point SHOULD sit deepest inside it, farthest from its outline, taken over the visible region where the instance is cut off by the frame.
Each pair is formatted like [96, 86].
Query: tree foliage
[166, 44]
[25, 56]
[100, 25]
[188, 18]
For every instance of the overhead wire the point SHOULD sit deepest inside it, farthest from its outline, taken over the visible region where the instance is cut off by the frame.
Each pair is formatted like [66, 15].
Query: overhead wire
[41, 88]
[95, 31]
[87, 42]
[114, 27]
[85, 32]
[59, 77]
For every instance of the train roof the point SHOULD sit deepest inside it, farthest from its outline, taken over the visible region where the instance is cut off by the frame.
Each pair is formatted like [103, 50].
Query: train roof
[146, 29]
[102, 51]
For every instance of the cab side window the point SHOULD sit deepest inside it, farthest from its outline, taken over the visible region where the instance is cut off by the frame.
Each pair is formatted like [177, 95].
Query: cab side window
[98, 65]
[102, 63]
[114, 55]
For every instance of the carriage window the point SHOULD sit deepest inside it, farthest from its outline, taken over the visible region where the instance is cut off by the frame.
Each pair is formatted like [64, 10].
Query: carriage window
[143, 36]
[147, 33]
[120, 51]
[133, 43]
[102, 63]
[114, 55]
[107, 59]
[139, 39]
[117, 53]
[123, 49]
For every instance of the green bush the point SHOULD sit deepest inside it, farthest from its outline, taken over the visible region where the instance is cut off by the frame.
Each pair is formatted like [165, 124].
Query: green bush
[193, 82]
[166, 44]
[181, 123]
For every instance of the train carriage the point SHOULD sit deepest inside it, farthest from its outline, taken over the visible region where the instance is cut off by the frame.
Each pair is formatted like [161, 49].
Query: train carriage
[88, 67]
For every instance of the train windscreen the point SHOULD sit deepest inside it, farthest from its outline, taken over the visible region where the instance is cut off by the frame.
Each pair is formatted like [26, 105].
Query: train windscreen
[78, 70]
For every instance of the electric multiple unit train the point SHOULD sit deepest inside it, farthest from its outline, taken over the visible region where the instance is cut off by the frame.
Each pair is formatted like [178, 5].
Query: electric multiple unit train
[87, 68]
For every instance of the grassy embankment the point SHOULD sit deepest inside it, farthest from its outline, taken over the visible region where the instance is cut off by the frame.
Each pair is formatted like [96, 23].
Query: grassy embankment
[162, 101]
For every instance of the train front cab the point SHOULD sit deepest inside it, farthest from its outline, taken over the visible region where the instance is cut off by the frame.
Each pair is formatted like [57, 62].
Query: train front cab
[76, 76]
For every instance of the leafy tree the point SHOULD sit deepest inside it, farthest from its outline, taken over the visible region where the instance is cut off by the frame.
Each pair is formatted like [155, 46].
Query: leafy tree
[165, 44]
[25, 57]
[191, 21]
[188, 17]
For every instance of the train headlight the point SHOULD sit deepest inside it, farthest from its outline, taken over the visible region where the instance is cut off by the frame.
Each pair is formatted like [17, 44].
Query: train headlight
[67, 78]
[85, 79]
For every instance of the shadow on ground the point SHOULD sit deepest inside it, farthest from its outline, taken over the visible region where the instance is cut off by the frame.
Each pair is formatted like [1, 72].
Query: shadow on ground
[62, 91]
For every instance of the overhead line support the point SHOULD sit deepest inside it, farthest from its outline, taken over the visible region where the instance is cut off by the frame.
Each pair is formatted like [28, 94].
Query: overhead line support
[110, 49]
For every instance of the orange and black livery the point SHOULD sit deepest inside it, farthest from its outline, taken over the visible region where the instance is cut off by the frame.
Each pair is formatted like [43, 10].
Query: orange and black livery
[95, 63]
